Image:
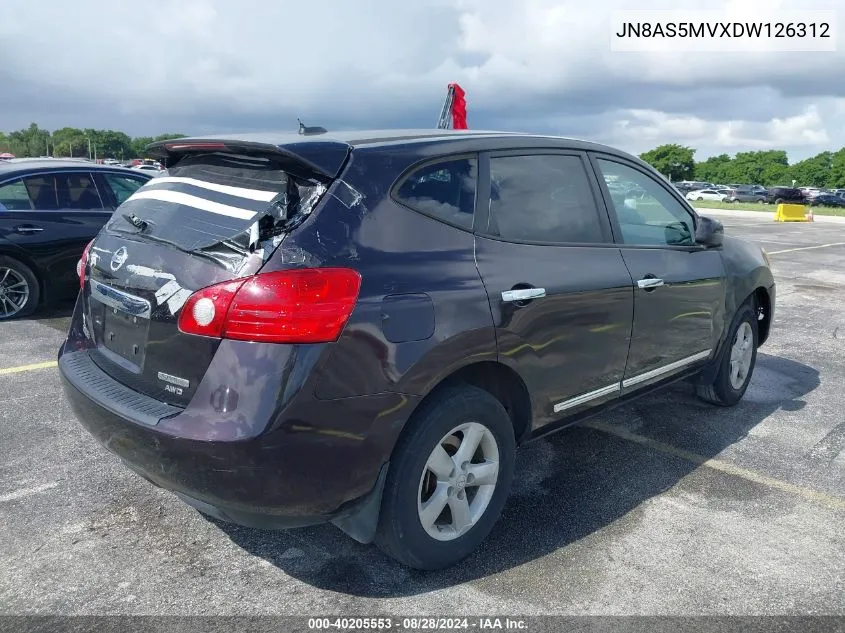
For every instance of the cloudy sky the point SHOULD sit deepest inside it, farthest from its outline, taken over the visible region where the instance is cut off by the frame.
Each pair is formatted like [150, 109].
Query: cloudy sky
[202, 66]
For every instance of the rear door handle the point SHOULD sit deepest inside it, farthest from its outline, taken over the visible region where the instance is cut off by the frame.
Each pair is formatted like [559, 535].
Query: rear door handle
[28, 228]
[649, 282]
[523, 294]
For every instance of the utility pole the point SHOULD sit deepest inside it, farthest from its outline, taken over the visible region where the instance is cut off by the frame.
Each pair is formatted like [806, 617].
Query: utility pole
[89, 148]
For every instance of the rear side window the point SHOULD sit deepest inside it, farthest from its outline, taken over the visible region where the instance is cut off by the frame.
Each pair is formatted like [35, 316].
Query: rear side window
[542, 198]
[445, 190]
[76, 190]
[13, 197]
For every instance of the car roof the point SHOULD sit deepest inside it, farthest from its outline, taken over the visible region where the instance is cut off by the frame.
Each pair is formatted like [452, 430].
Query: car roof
[326, 152]
[22, 166]
[371, 138]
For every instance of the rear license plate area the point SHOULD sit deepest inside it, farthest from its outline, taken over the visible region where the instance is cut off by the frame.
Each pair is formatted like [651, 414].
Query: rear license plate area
[122, 334]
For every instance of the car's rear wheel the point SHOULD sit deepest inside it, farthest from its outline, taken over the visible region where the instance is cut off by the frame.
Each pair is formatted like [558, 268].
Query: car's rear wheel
[19, 291]
[449, 479]
[737, 361]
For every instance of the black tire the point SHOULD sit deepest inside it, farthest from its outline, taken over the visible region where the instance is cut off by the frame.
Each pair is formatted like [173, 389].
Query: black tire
[721, 392]
[699, 198]
[779, 201]
[23, 271]
[400, 533]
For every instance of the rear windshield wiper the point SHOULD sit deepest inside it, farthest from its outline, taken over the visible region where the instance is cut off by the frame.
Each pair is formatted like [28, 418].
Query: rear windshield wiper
[134, 220]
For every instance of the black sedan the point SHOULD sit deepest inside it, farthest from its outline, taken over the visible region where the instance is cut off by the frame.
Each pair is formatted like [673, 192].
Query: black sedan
[49, 210]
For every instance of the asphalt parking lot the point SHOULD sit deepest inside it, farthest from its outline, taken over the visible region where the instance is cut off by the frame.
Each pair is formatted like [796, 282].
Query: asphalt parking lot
[667, 506]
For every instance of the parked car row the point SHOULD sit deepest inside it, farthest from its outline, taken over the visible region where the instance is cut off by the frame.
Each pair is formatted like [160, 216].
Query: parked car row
[779, 194]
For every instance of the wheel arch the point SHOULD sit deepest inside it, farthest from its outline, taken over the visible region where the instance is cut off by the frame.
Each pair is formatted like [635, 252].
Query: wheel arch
[763, 305]
[500, 381]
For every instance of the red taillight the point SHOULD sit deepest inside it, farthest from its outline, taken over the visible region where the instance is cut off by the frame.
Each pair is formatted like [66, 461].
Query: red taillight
[82, 264]
[308, 305]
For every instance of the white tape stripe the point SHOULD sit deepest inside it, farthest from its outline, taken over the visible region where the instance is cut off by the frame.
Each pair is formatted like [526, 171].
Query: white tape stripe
[177, 197]
[241, 192]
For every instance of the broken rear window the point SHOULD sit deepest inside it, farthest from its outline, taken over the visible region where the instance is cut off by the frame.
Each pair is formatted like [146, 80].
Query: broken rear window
[223, 206]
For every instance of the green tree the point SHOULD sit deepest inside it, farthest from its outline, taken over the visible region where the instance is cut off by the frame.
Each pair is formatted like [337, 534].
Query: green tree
[752, 167]
[672, 160]
[31, 141]
[69, 141]
[139, 145]
[775, 174]
[812, 172]
[715, 169]
[836, 176]
[111, 144]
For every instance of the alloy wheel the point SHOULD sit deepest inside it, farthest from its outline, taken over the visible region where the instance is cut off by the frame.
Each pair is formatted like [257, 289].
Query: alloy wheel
[14, 292]
[742, 352]
[458, 481]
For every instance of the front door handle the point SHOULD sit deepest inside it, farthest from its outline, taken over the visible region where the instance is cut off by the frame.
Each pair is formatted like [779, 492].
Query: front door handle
[28, 228]
[649, 283]
[523, 294]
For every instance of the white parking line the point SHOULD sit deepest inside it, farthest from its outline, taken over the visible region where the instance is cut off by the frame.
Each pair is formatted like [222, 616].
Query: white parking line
[27, 492]
[806, 248]
[809, 494]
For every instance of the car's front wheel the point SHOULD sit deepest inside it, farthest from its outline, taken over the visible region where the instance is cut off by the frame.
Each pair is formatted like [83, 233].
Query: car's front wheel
[449, 479]
[19, 291]
[737, 361]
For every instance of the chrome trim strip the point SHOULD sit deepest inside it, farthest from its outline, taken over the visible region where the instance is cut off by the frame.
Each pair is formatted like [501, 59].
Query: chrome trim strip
[586, 397]
[665, 369]
[114, 298]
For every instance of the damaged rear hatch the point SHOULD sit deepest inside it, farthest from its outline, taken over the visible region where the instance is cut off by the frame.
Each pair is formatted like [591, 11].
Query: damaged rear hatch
[217, 214]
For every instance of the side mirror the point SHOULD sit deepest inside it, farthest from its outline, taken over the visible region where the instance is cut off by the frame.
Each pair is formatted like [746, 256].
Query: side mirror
[709, 232]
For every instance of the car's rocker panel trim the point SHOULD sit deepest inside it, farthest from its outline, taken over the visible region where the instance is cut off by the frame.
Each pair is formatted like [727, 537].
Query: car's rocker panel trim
[665, 369]
[587, 397]
[630, 382]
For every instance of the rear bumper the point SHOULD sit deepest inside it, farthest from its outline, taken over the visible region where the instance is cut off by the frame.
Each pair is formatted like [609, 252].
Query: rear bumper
[306, 469]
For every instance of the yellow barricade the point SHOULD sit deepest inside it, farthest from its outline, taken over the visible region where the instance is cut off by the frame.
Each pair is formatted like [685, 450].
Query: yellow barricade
[791, 213]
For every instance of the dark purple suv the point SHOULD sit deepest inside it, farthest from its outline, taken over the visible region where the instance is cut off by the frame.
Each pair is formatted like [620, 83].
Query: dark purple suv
[361, 327]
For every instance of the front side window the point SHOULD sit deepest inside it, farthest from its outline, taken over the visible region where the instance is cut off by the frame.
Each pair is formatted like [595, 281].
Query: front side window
[648, 214]
[542, 198]
[445, 190]
[13, 197]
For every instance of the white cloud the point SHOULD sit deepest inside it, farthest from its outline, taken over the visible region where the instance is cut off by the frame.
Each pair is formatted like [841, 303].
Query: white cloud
[639, 130]
[536, 65]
